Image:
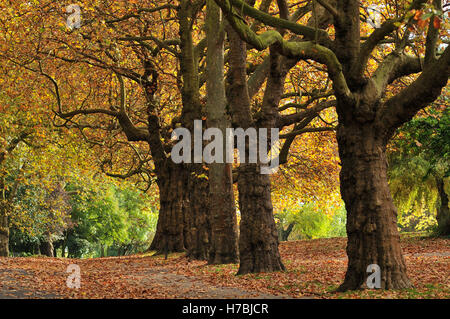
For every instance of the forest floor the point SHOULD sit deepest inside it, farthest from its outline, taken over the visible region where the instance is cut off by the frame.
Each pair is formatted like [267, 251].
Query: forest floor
[314, 269]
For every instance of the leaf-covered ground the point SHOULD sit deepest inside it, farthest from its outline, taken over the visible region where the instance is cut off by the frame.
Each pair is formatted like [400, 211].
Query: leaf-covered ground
[314, 270]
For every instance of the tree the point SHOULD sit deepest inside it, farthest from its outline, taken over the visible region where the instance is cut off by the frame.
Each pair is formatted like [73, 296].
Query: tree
[419, 165]
[99, 46]
[368, 114]
[258, 242]
[224, 248]
[15, 128]
[6, 197]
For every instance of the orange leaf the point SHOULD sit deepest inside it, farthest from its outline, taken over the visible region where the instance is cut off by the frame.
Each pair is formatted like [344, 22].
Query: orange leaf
[436, 22]
[418, 15]
[422, 23]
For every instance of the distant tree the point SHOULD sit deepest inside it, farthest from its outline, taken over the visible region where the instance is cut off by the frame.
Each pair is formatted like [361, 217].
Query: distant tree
[419, 164]
[109, 219]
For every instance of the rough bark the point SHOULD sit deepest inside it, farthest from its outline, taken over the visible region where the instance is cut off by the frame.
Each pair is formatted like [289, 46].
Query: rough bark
[443, 211]
[172, 180]
[224, 237]
[46, 247]
[182, 221]
[258, 242]
[372, 232]
[198, 223]
[223, 248]
[170, 233]
[4, 230]
[284, 233]
[197, 218]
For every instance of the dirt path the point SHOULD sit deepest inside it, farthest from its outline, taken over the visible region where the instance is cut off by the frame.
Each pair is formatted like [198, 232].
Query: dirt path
[18, 284]
[11, 288]
[192, 287]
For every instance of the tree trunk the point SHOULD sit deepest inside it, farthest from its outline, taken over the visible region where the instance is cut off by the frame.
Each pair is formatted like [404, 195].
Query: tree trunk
[443, 211]
[47, 246]
[284, 233]
[198, 227]
[4, 230]
[4, 208]
[258, 242]
[170, 229]
[224, 237]
[372, 232]
[224, 248]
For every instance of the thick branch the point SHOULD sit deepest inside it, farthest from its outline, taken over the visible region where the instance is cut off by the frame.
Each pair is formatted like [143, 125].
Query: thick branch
[267, 19]
[15, 141]
[424, 90]
[379, 34]
[308, 130]
[294, 49]
[394, 66]
[297, 117]
[331, 9]
[432, 36]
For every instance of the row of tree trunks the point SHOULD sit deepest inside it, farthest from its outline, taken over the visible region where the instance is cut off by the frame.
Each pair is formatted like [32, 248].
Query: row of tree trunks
[366, 123]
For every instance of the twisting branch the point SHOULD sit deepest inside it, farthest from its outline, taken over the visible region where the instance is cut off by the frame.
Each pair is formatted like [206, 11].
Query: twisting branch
[424, 90]
[313, 111]
[312, 98]
[55, 85]
[241, 6]
[133, 133]
[377, 36]
[394, 66]
[331, 9]
[308, 130]
[299, 128]
[139, 168]
[293, 49]
[432, 37]
[142, 10]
